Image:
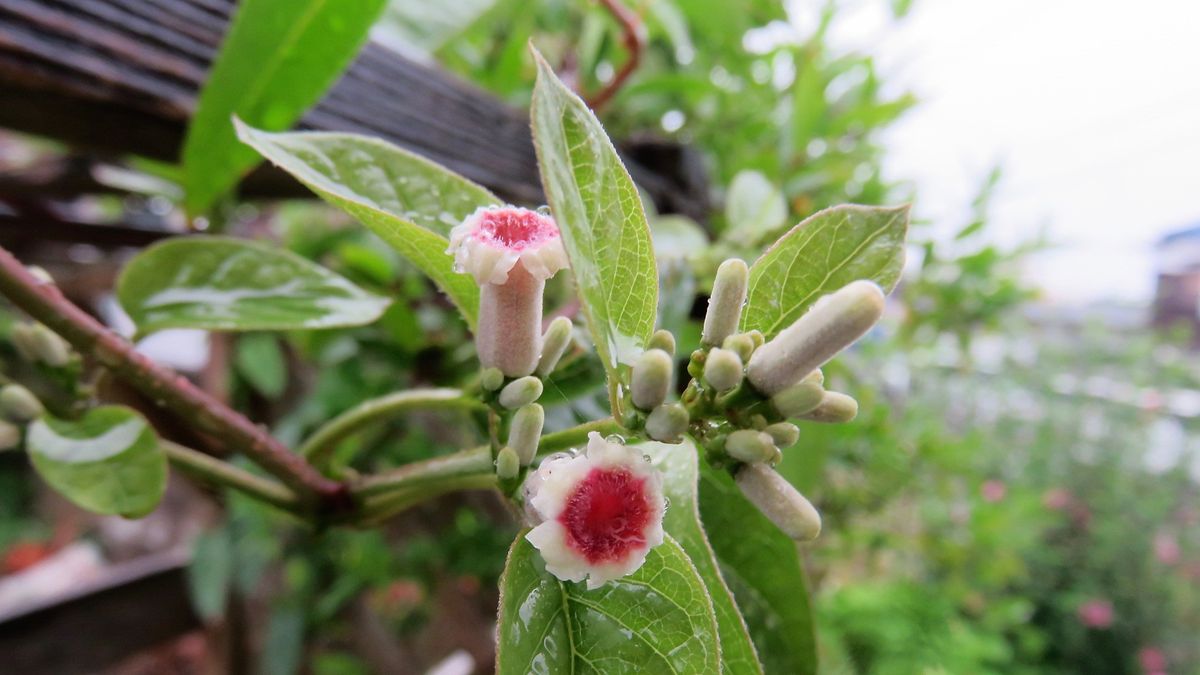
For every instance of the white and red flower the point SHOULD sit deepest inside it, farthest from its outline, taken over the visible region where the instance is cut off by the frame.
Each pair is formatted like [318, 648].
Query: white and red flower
[600, 512]
[510, 252]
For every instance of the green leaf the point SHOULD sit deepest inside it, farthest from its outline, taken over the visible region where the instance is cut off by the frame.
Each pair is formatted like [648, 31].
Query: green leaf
[260, 360]
[277, 59]
[107, 462]
[762, 567]
[754, 208]
[407, 200]
[678, 464]
[602, 222]
[210, 573]
[221, 283]
[826, 251]
[656, 620]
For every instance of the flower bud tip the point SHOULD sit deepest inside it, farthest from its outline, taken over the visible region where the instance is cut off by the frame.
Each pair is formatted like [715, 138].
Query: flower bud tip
[748, 445]
[667, 422]
[798, 399]
[781, 503]
[784, 434]
[725, 303]
[526, 431]
[554, 345]
[19, 405]
[521, 391]
[835, 407]
[662, 339]
[723, 369]
[651, 379]
[491, 379]
[507, 463]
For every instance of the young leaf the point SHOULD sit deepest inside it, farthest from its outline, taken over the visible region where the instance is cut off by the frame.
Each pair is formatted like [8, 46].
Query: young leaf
[220, 283]
[762, 567]
[657, 620]
[407, 200]
[678, 464]
[753, 208]
[603, 225]
[278, 57]
[826, 251]
[107, 462]
[260, 360]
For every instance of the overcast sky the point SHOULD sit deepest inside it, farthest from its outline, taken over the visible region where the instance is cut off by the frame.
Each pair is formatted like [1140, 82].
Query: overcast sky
[1092, 107]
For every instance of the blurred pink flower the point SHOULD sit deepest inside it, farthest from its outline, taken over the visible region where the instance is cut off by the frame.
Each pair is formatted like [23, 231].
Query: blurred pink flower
[1153, 660]
[1096, 614]
[993, 490]
[1057, 499]
[1166, 549]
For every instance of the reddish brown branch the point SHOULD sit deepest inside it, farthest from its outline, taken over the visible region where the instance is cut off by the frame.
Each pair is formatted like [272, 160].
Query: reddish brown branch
[634, 38]
[166, 388]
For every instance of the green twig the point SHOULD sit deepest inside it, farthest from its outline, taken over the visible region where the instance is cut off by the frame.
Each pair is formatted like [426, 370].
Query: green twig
[321, 443]
[214, 470]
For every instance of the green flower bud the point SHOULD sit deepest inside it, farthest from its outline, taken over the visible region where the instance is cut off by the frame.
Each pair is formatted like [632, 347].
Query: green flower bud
[725, 303]
[723, 369]
[23, 339]
[554, 344]
[798, 399]
[741, 344]
[784, 434]
[779, 502]
[10, 435]
[651, 379]
[526, 431]
[49, 347]
[521, 391]
[757, 338]
[507, 463]
[834, 408]
[19, 404]
[664, 340]
[666, 423]
[748, 445]
[817, 376]
[491, 379]
[833, 324]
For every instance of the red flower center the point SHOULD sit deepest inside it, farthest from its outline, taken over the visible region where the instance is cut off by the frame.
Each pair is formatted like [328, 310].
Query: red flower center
[516, 228]
[607, 514]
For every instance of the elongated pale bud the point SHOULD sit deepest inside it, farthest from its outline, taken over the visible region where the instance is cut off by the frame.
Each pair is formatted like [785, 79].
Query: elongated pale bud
[832, 324]
[509, 332]
[667, 422]
[491, 379]
[49, 348]
[784, 434]
[10, 435]
[521, 392]
[507, 463]
[651, 379]
[725, 303]
[664, 340]
[554, 345]
[526, 431]
[22, 340]
[798, 399]
[723, 369]
[748, 445]
[779, 502]
[18, 404]
[742, 345]
[835, 407]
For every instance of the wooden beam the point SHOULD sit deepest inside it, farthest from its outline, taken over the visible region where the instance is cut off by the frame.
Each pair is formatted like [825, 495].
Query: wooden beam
[120, 77]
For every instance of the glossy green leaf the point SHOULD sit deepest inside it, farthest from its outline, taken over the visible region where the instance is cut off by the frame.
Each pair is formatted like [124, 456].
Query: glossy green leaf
[762, 567]
[826, 251]
[259, 359]
[108, 461]
[602, 221]
[656, 620]
[754, 207]
[221, 283]
[678, 464]
[407, 200]
[277, 59]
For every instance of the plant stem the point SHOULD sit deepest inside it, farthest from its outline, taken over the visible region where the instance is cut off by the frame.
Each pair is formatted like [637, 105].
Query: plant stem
[217, 471]
[633, 35]
[165, 387]
[466, 464]
[321, 443]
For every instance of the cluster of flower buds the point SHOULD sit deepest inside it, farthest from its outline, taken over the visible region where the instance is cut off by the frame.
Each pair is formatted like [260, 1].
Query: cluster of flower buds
[760, 384]
[38, 344]
[18, 407]
[650, 384]
[596, 514]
